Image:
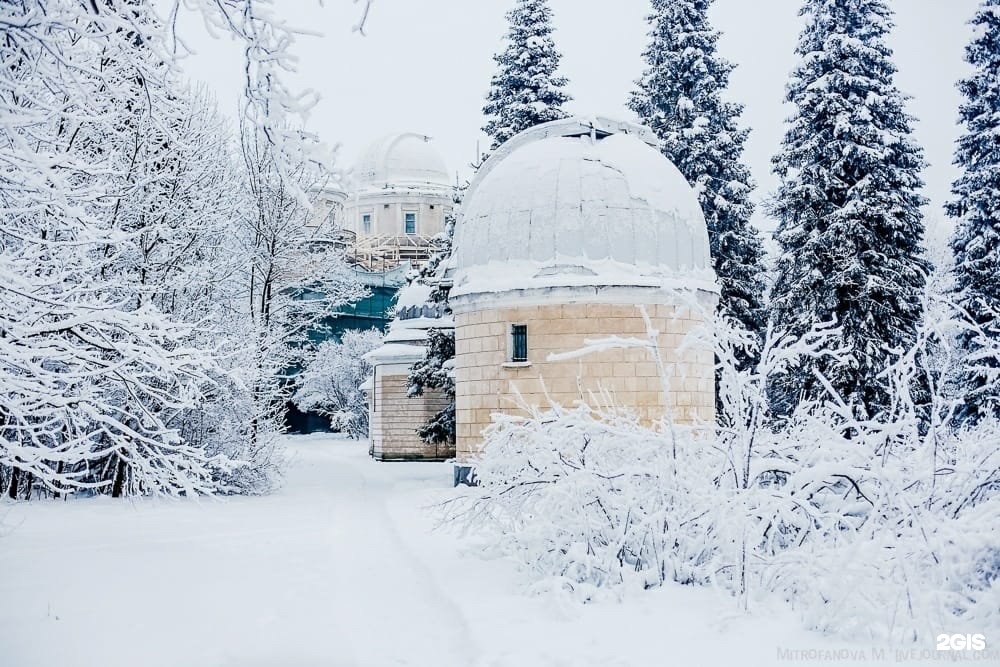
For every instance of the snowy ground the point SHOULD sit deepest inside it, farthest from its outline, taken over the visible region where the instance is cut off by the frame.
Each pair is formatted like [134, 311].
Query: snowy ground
[339, 568]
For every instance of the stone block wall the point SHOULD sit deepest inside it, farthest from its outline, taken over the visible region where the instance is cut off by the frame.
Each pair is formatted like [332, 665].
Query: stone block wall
[486, 379]
[396, 418]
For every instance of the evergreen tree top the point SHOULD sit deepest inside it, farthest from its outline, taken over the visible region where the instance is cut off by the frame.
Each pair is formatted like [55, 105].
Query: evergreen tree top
[680, 31]
[526, 90]
[850, 225]
[976, 205]
[985, 43]
[979, 147]
[679, 95]
[851, 128]
[977, 190]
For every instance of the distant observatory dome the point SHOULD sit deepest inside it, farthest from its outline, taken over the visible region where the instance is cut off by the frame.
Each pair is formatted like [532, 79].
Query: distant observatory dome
[580, 202]
[401, 160]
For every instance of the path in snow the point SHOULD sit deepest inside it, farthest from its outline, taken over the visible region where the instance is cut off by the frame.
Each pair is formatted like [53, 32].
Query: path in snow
[338, 568]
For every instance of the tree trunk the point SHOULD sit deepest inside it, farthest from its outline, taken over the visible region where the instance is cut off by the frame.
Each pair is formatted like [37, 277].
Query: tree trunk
[14, 478]
[59, 472]
[119, 483]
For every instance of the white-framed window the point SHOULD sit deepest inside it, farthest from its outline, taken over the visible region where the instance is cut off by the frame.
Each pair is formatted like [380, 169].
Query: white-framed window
[409, 222]
[366, 223]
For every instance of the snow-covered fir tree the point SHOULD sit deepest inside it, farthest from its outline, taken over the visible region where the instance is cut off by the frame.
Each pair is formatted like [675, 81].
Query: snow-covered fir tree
[849, 224]
[434, 371]
[527, 89]
[976, 206]
[680, 97]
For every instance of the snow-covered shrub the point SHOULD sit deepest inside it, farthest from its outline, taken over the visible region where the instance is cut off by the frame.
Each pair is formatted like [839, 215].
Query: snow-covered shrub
[902, 539]
[254, 466]
[330, 384]
[905, 541]
[891, 537]
[588, 498]
[881, 527]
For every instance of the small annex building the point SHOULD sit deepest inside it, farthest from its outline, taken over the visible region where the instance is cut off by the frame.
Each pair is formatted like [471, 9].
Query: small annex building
[566, 230]
[394, 416]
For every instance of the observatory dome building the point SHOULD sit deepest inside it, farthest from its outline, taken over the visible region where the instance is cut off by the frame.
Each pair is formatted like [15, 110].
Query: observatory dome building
[399, 195]
[569, 232]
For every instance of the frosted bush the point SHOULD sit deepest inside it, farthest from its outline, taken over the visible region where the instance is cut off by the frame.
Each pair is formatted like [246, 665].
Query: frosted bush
[885, 529]
[589, 499]
[903, 553]
[331, 383]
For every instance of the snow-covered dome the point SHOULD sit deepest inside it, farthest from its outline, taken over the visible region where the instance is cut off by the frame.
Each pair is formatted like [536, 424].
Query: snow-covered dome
[580, 202]
[406, 160]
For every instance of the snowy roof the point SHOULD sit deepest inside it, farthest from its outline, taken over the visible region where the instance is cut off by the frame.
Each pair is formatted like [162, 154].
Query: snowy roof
[395, 353]
[329, 192]
[407, 336]
[417, 293]
[415, 310]
[415, 329]
[402, 160]
[580, 202]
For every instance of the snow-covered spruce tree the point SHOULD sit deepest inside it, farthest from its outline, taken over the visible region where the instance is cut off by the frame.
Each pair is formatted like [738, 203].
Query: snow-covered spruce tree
[330, 384]
[434, 371]
[526, 90]
[848, 207]
[680, 97]
[976, 206]
[442, 244]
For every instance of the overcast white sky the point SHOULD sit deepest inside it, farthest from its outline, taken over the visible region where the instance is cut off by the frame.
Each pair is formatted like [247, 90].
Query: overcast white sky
[425, 66]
